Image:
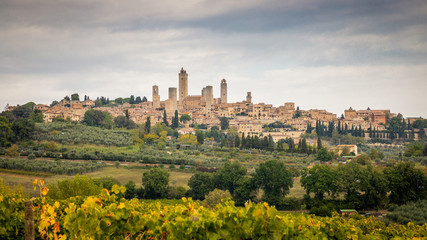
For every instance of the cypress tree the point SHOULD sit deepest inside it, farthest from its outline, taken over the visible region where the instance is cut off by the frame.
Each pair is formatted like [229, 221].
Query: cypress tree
[148, 125]
[319, 143]
[165, 119]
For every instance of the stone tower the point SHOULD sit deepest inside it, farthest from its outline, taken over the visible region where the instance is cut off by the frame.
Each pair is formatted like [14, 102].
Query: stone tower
[223, 91]
[183, 85]
[156, 97]
[249, 97]
[171, 103]
[208, 97]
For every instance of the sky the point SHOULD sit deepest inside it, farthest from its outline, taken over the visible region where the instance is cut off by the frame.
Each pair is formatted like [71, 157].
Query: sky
[320, 54]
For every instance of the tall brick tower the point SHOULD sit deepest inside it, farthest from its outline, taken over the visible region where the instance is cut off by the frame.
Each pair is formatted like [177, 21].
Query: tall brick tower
[183, 85]
[223, 91]
[156, 97]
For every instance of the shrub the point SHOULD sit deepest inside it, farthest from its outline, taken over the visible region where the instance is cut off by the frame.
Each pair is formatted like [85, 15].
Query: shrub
[214, 197]
[31, 156]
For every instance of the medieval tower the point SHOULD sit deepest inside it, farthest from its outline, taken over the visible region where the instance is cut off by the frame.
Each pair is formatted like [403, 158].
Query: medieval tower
[156, 97]
[172, 101]
[183, 85]
[249, 97]
[223, 91]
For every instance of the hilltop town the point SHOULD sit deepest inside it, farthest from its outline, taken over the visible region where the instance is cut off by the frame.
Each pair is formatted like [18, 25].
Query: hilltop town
[247, 117]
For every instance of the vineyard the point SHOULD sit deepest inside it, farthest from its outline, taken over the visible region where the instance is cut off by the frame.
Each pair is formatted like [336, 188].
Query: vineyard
[108, 216]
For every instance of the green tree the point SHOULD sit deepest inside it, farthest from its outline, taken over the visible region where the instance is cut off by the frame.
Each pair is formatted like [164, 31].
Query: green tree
[425, 149]
[23, 128]
[106, 182]
[374, 187]
[200, 137]
[406, 183]
[244, 191]
[324, 155]
[228, 177]
[71, 187]
[224, 123]
[350, 176]
[275, 179]
[414, 149]
[147, 127]
[200, 184]
[155, 183]
[98, 118]
[165, 119]
[185, 118]
[54, 103]
[37, 116]
[175, 120]
[320, 179]
[6, 133]
[319, 143]
[130, 189]
[374, 154]
[118, 100]
[75, 97]
[363, 159]
[123, 122]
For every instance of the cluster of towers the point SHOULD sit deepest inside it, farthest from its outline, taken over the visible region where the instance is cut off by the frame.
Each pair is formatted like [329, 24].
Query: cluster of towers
[173, 102]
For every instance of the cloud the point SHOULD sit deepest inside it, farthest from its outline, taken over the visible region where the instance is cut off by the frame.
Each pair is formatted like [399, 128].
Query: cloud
[310, 52]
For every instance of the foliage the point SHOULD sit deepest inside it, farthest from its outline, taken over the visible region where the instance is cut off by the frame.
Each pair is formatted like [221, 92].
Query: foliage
[200, 137]
[185, 118]
[106, 216]
[188, 139]
[229, 176]
[224, 123]
[414, 149]
[106, 182]
[72, 187]
[155, 183]
[98, 118]
[324, 155]
[123, 122]
[6, 133]
[69, 133]
[274, 178]
[57, 167]
[406, 183]
[75, 97]
[201, 183]
[320, 179]
[12, 219]
[12, 151]
[411, 212]
[215, 197]
[147, 126]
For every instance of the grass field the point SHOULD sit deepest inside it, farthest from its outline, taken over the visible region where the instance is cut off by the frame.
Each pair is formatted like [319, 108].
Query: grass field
[122, 174]
[176, 178]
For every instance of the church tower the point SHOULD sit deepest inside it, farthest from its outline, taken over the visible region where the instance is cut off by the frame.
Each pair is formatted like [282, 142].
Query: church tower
[183, 85]
[223, 91]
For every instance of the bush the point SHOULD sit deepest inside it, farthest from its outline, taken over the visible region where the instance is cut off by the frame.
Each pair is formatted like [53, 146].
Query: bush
[214, 197]
[31, 156]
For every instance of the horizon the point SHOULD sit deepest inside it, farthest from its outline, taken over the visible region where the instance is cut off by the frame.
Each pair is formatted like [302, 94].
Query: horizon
[328, 55]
